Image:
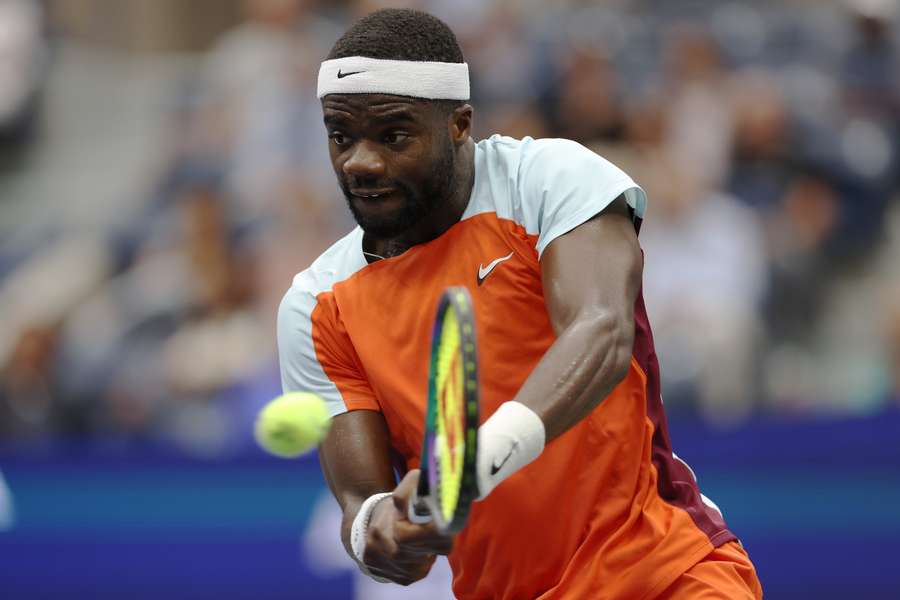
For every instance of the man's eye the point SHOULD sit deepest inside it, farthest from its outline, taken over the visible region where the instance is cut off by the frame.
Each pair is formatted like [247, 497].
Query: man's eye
[338, 138]
[395, 137]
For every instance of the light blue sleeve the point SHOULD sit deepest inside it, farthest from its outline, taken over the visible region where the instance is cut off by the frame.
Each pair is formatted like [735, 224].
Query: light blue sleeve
[561, 184]
[300, 368]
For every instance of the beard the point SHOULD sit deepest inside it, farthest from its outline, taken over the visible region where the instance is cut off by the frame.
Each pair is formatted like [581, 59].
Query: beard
[418, 202]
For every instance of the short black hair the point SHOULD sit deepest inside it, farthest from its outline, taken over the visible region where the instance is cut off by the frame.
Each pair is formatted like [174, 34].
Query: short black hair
[399, 34]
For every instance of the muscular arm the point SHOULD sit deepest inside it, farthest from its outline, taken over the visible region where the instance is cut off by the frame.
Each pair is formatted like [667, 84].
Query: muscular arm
[591, 277]
[355, 458]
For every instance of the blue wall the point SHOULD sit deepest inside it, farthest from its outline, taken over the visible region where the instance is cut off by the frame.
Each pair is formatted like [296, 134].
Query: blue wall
[816, 504]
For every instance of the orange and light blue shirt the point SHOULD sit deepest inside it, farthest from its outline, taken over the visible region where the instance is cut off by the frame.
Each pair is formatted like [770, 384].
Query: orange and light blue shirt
[608, 510]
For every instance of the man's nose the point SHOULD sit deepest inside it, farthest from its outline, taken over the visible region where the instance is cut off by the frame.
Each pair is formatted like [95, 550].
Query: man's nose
[364, 161]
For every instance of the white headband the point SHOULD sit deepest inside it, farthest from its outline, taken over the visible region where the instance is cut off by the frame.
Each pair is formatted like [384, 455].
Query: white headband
[362, 75]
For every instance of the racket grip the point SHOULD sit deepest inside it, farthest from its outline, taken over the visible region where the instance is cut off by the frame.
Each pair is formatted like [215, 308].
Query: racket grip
[418, 511]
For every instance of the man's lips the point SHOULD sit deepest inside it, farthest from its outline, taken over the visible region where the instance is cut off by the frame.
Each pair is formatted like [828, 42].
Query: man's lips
[372, 194]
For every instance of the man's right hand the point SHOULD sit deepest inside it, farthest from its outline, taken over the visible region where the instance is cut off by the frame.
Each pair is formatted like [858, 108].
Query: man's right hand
[397, 549]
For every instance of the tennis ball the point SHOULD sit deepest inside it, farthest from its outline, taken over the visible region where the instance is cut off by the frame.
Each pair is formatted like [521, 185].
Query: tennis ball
[292, 424]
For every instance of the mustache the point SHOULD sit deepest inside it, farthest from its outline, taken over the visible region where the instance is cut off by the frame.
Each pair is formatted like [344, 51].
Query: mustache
[348, 183]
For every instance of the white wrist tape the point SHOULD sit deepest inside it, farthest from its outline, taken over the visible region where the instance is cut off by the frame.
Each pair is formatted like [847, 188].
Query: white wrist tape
[510, 439]
[359, 528]
[418, 79]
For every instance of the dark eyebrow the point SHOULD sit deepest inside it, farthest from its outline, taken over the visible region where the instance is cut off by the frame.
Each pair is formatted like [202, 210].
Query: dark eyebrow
[334, 119]
[396, 114]
[381, 114]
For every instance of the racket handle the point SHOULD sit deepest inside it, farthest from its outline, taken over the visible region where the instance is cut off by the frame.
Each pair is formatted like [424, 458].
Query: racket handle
[418, 511]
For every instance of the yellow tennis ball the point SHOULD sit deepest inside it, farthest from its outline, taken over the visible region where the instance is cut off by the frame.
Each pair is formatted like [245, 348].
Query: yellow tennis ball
[292, 424]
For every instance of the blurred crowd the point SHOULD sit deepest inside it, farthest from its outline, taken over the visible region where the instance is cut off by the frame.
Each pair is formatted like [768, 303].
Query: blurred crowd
[766, 135]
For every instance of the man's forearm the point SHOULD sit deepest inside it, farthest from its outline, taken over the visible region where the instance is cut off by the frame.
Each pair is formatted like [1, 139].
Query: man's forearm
[355, 460]
[351, 503]
[591, 278]
[589, 358]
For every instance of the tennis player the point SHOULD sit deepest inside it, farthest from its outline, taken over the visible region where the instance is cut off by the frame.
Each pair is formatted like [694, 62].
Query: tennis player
[581, 493]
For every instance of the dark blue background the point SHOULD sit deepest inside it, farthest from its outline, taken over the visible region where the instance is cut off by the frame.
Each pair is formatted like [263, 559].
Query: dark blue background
[817, 504]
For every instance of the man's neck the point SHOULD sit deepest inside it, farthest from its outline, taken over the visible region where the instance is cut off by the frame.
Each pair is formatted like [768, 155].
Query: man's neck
[445, 216]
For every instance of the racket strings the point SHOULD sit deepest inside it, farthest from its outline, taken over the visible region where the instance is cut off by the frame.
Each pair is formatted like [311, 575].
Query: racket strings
[450, 415]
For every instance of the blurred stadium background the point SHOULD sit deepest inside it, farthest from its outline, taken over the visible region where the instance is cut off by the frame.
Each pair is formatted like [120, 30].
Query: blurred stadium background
[163, 174]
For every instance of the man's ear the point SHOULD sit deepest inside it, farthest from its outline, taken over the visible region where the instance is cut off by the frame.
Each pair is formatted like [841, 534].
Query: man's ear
[460, 124]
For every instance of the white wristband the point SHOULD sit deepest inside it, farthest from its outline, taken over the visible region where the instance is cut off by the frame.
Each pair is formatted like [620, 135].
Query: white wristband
[359, 528]
[510, 439]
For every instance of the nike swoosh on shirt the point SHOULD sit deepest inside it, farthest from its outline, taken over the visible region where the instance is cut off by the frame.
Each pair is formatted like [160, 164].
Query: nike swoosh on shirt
[342, 75]
[483, 271]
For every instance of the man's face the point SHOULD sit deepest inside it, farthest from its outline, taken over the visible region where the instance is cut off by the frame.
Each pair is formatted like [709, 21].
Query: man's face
[393, 158]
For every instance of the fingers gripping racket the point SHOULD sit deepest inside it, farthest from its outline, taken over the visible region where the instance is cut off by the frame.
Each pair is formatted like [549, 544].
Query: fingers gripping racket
[447, 483]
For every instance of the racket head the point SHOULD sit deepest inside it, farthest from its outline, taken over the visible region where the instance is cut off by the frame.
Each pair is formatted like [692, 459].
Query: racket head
[447, 481]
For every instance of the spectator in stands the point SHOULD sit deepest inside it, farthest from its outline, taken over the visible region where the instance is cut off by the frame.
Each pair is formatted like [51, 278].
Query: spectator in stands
[700, 125]
[259, 91]
[707, 274]
[29, 402]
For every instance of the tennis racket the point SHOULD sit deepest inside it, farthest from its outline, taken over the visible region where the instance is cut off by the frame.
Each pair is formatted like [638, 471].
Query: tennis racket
[447, 484]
